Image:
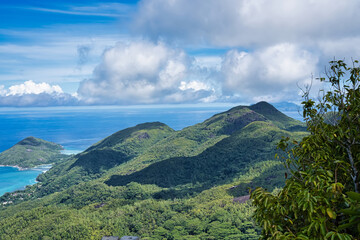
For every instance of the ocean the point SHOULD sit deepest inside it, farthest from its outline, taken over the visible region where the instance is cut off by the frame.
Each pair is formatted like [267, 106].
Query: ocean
[77, 128]
[11, 178]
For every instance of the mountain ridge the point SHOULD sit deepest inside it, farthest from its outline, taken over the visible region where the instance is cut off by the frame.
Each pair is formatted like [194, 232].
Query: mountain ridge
[117, 155]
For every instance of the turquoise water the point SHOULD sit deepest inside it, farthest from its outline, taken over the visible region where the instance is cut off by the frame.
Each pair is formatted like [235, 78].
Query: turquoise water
[12, 178]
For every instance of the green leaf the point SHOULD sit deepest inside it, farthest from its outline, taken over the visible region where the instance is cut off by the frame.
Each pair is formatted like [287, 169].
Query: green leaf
[353, 195]
[340, 236]
[351, 212]
[322, 229]
[331, 213]
[329, 234]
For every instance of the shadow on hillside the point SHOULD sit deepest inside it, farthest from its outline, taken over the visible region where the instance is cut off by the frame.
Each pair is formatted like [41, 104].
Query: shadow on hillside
[219, 164]
[272, 178]
[182, 184]
[100, 160]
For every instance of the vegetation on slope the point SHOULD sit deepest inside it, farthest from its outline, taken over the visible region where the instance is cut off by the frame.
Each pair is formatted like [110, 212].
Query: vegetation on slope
[321, 199]
[31, 152]
[92, 209]
[102, 156]
[218, 164]
[251, 137]
[192, 140]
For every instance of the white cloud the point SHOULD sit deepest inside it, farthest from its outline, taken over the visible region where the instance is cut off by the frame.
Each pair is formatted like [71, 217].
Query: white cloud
[247, 23]
[29, 87]
[142, 72]
[194, 85]
[35, 94]
[284, 42]
[271, 73]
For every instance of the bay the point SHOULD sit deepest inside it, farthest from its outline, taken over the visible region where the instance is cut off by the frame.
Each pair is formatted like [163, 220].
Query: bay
[11, 178]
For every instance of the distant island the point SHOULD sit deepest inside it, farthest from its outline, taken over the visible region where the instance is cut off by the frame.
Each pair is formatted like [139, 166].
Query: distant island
[31, 152]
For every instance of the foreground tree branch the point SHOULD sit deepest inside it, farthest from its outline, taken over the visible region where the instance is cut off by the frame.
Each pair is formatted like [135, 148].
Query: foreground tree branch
[321, 199]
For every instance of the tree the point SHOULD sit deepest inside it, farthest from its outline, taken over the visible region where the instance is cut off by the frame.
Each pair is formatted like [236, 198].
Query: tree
[321, 197]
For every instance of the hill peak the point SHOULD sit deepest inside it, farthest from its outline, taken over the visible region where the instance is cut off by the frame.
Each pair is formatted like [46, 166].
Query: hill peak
[32, 141]
[122, 135]
[264, 106]
[121, 147]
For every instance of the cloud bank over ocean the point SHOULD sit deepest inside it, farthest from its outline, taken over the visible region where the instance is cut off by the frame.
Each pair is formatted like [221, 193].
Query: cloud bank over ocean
[35, 94]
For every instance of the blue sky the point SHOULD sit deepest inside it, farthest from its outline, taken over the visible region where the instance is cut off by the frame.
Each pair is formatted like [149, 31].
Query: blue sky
[162, 52]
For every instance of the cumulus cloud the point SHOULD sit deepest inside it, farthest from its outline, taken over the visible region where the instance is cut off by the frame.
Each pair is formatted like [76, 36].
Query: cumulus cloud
[142, 72]
[29, 87]
[283, 42]
[270, 73]
[30, 93]
[247, 23]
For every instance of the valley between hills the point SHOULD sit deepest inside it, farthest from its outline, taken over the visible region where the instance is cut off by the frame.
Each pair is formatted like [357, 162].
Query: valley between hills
[152, 181]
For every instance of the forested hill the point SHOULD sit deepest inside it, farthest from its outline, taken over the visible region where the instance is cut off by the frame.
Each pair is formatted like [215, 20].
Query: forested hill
[100, 158]
[249, 135]
[31, 152]
[210, 152]
[157, 183]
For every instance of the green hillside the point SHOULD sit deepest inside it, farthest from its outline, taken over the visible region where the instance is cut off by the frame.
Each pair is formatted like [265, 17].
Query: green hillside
[31, 152]
[211, 152]
[91, 210]
[246, 135]
[121, 147]
[110, 152]
[218, 164]
[157, 183]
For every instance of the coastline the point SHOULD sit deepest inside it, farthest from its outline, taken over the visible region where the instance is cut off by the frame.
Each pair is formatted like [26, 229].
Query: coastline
[36, 168]
[19, 177]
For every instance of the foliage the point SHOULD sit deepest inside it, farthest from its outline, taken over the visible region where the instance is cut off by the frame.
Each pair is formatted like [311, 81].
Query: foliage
[218, 164]
[252, 138]
[90, 211]
[31, 152]
[320, 200]
[112, 151]
[121, 147]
